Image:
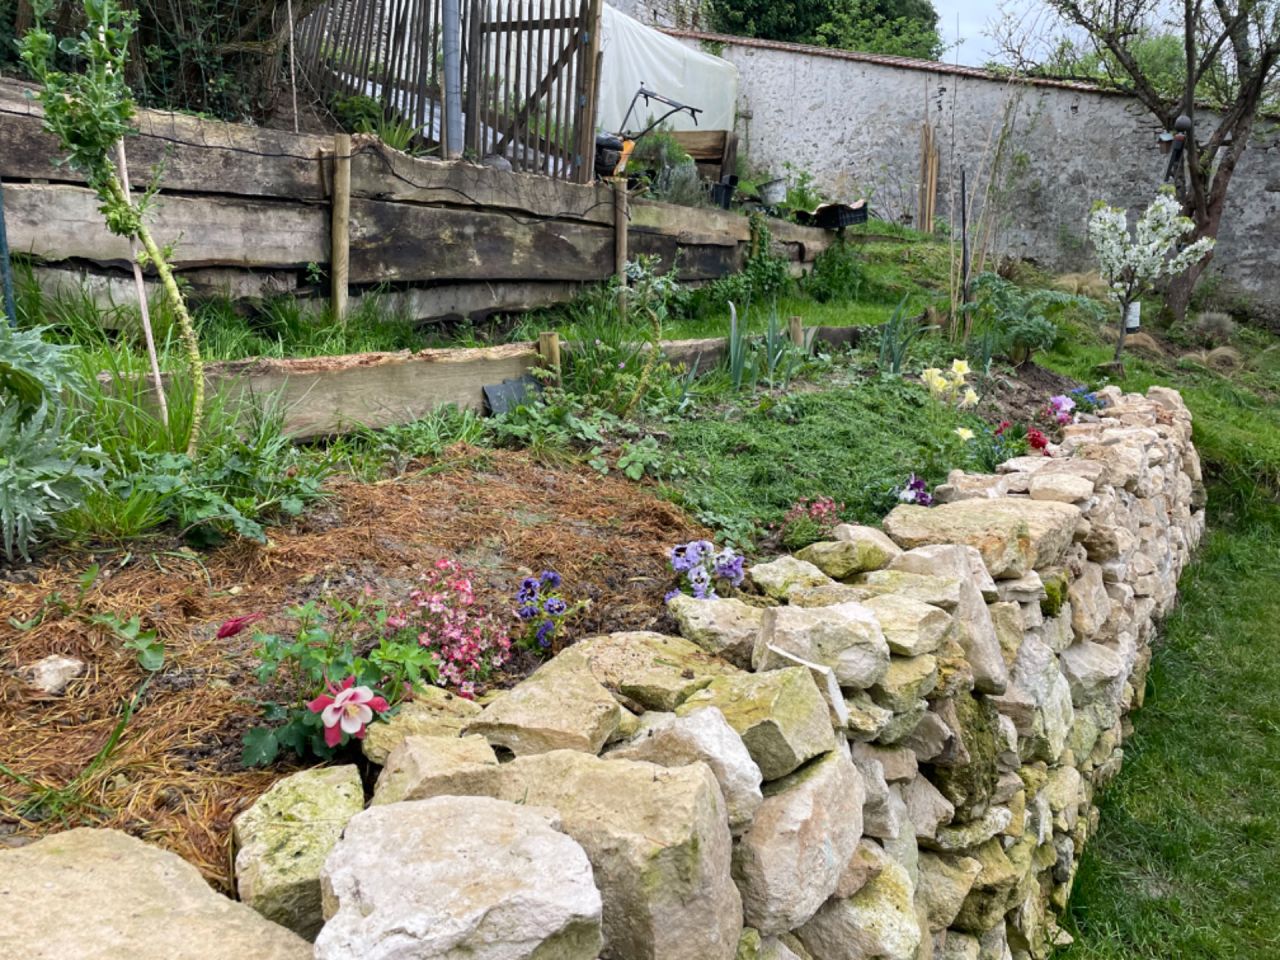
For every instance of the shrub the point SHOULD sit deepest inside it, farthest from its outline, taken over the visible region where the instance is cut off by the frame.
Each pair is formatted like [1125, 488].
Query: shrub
[44, 471]
[837, 275]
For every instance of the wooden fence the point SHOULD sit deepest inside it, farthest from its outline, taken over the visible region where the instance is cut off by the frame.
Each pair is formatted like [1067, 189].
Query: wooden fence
[529, 73]
[249, 211]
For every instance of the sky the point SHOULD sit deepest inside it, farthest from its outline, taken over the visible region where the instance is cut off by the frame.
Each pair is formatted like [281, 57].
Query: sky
[976, 49]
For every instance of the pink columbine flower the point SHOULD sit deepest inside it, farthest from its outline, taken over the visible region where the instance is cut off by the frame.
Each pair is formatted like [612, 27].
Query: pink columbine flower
[236, 625]
[346, 709]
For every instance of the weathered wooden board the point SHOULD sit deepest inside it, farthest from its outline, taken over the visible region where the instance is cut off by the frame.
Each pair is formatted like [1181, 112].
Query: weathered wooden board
[401, 241]
[333, 395]
[696, 262]
[379, 173]
[62, 222]
[197, 155]
[474, 301]
[702, 144]
[113, 289]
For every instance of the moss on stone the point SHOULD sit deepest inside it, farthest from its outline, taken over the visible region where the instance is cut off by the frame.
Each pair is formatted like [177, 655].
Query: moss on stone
[1055, 588]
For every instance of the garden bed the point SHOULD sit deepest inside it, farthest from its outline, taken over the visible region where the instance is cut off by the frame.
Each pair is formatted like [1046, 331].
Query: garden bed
[175, 777]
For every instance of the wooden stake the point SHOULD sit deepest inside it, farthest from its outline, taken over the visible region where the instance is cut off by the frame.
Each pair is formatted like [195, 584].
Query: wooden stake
[796, 329]
[549, 349]
[143, 308]
[620, 241]
[340, 227]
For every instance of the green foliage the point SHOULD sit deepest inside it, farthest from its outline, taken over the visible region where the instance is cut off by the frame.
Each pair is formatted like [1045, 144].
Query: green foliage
[881, 26]
[1012, 319]
[671, 174]
[896, 337]
[89, 109]
[641, 457]
[837, 274]
[144, 643]
[356, 113]
[764, 276]
[802, 194]
[907, 28]
[754, 461]
[42, 474]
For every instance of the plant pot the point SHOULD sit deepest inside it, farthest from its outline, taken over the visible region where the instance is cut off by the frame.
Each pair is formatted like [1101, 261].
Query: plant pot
[773, 192]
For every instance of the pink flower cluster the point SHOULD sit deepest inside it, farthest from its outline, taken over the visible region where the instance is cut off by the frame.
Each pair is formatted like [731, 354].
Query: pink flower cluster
[467, 641]
[823, 511]
[1061, 409]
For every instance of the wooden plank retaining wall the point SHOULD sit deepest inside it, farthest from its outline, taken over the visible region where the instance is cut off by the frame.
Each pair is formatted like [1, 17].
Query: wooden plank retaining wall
[248, 211]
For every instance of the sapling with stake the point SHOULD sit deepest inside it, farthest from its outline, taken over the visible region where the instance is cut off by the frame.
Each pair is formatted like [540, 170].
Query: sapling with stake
[90, 112]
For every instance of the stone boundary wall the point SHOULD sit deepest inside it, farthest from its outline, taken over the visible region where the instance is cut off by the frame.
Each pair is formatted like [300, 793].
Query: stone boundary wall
[853, 120]
[888, 747]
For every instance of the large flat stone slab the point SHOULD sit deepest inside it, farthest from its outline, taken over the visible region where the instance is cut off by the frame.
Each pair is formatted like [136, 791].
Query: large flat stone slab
[1014, 536]
[89, 894]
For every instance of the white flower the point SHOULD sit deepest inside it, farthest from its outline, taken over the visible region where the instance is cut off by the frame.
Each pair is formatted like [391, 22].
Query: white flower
[1130, 264]
[964, 433]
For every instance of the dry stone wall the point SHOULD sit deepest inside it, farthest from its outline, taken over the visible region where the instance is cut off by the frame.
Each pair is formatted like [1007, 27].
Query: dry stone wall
[889, 749]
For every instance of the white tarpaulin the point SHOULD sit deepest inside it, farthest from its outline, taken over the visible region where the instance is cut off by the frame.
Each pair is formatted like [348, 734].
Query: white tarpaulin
[635, 54]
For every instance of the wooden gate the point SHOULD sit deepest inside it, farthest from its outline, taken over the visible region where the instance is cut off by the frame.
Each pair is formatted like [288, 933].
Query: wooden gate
[530, 73]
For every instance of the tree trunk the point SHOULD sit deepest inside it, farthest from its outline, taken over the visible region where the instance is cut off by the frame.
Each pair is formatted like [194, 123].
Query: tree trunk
[1124, 329]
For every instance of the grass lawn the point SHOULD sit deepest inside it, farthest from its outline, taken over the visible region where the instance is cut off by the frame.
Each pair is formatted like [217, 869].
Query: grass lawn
[1184, 863]
[1185, 860]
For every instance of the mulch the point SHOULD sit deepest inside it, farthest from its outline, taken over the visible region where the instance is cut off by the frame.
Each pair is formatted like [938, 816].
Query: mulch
[175, 778]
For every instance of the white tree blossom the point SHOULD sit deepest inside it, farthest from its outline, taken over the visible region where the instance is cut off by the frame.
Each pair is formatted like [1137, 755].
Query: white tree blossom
[1131, 264]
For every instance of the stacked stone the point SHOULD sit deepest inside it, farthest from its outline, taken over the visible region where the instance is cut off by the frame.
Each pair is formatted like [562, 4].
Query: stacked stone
[889, 750]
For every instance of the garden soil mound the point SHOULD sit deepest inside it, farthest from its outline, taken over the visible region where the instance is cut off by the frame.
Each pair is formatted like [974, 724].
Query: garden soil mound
[175, 777]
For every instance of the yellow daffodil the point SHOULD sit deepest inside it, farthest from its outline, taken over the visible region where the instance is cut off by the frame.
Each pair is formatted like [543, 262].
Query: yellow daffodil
[964, 433]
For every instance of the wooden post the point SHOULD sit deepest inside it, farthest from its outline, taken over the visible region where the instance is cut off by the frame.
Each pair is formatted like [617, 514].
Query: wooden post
[588, 95]
[796, 329]
[340, 227]
[620, 241]
[549, 349]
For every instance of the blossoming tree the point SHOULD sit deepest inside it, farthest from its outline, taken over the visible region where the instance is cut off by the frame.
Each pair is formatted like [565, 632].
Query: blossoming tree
[1132, 263]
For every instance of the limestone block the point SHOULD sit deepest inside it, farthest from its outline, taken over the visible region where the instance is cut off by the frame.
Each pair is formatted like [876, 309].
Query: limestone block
[422, 767]
[823, 677]
[867, 719]
[928, 809]
[1094, 673]
[561, 706]
[1014, 536]
[656, 671]
[977, 634]
[700, 735]
[911, 628]
[283, 838]
[868, 860]
[877, 923]
[945, 881]
[989, 897]
[1090, 605]
[779, 578]
[658, 841]
[432, 712]
[843, 558]
[869, 536]
[725, 627]
[845, 637]
[87, 893]
[935, 591]
[780, 716]
[459, 876]
[905, 681]
[803, 836]
[963, 837]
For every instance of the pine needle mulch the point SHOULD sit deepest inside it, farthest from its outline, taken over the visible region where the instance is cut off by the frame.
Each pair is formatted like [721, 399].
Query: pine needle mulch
[174, 778]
